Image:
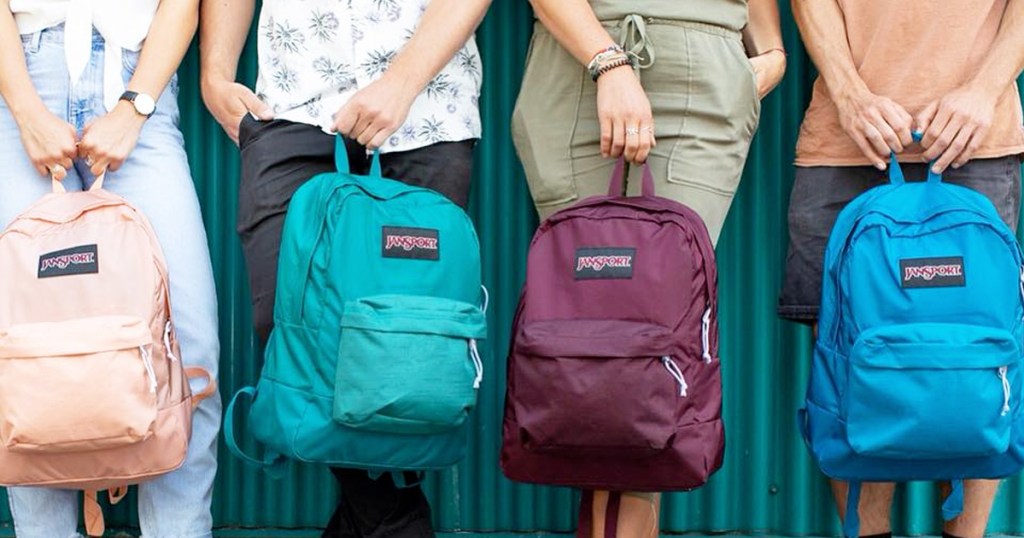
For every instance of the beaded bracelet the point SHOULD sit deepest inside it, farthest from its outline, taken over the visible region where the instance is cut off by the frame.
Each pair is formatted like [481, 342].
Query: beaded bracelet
[602, 57]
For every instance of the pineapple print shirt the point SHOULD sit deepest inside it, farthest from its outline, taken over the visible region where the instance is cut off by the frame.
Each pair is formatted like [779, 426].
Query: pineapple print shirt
[315, 54]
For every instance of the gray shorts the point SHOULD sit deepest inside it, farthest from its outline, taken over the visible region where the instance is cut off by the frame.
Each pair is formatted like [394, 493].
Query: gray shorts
[821, 192]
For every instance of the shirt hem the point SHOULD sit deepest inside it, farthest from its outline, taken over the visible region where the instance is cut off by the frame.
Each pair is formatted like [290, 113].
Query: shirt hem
[911, 158]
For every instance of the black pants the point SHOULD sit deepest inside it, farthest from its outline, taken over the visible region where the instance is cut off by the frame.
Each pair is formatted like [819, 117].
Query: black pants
[278, 157]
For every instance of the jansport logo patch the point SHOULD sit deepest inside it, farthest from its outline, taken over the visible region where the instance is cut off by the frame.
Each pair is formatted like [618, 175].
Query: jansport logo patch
[81, 260]
[412, 243]
[608, 262]
[933, 272]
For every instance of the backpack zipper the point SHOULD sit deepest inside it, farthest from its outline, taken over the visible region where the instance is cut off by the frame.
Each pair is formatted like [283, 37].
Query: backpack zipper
[474, 354]
[147, 361]
[673, 369]
[1006, 390]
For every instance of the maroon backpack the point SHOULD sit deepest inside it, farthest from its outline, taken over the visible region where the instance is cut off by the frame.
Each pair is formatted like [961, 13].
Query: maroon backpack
[613, 372]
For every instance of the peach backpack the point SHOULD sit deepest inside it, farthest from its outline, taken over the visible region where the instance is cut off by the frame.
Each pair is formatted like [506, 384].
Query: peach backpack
[92, 393]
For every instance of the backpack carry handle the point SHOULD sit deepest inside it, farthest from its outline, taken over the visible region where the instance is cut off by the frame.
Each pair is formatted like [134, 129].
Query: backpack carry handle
[896, 173]
[617, 183]
[58, 184]
[341, 159]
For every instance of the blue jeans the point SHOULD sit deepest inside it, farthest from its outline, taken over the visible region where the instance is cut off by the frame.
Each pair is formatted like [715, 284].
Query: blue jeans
[156, 179]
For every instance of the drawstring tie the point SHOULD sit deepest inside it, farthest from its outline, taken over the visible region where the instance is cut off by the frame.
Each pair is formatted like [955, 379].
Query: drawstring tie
[634, 40]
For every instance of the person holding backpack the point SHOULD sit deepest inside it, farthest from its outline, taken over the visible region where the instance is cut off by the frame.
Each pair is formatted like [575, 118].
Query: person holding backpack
[89, 88]
[396, 76]
[890, 69]
[673, 84]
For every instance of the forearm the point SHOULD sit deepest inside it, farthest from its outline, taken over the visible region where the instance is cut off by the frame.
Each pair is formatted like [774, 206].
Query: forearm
[824, 33]
[172, 31]
[224, 27]
[15, 84]
[574, 25]
[444, 29]
[763, 32]
[1005, 60]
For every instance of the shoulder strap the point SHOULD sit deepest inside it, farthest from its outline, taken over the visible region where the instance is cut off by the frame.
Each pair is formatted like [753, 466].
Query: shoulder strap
[273, 464]
[851, 521]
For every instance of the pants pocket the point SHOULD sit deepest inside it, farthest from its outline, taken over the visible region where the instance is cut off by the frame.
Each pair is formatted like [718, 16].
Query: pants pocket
[545, 118]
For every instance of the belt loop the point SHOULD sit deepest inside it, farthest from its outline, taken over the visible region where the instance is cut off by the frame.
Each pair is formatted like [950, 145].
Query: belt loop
[34, 41]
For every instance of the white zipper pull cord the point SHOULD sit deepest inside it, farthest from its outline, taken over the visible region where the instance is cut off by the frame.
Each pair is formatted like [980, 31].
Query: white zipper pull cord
[705, 335]
[167, 342]
[673, 369]
[147, 361]
[1006, 390]
[477, 363]
[1021, 283]
[487, 296]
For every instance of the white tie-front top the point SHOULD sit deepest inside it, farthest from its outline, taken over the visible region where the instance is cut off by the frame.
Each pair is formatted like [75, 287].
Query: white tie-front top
[124, 24]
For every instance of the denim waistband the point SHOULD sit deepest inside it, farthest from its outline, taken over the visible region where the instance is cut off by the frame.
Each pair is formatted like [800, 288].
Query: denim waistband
[55, 35]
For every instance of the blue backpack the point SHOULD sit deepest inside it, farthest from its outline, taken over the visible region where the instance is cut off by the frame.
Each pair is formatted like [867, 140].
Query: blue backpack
[373, 362]
[916, 372]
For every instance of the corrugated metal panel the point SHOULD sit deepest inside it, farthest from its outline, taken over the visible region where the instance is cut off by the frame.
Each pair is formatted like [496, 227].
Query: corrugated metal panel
[768, 483]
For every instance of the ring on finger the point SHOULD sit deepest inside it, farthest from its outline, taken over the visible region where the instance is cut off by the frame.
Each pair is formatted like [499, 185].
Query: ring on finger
[632, 131]
[88, 161]
[649, 129]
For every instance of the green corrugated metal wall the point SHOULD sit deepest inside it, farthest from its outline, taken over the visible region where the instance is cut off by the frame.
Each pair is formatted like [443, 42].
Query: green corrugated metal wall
[768, 484]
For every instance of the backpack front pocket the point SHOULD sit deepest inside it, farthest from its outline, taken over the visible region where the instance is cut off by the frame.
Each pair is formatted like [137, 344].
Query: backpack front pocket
[408, 364]
[932, 391]
[606, 388]
[76, 386]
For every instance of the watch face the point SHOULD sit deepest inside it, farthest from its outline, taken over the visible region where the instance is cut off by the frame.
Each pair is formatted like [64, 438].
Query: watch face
[144, 104]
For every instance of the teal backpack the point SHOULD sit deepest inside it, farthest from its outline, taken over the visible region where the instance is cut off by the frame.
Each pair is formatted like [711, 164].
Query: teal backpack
[373, 362]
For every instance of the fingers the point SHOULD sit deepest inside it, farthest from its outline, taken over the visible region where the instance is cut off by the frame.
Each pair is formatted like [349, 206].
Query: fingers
[345, 119]
[878, 149]
[943, 141]
[925, 117]
[632, 142]
[956, 148]
[900, 121]
[937, 125]
[647, 142]
[618, 139]
[255, 105]
[56, 153]
[969, 151]
[606, 136]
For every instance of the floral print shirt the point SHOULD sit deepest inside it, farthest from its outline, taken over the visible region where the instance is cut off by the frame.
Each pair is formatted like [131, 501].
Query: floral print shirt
[315, 54]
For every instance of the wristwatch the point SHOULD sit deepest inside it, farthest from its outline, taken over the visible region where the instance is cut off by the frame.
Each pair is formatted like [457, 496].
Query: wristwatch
[144, 104]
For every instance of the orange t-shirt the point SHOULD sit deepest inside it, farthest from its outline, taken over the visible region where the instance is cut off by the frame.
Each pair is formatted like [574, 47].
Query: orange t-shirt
[912, 52]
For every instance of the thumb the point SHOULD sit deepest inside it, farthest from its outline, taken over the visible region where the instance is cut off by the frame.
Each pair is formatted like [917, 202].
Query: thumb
[257, 107]
[925, 117]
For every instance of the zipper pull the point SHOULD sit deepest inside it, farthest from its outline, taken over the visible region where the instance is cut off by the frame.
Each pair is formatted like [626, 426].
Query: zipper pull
[673, 369]
[147, 361]
[1006, 390]
[474, 354]
[167, 341]
[705, 334]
